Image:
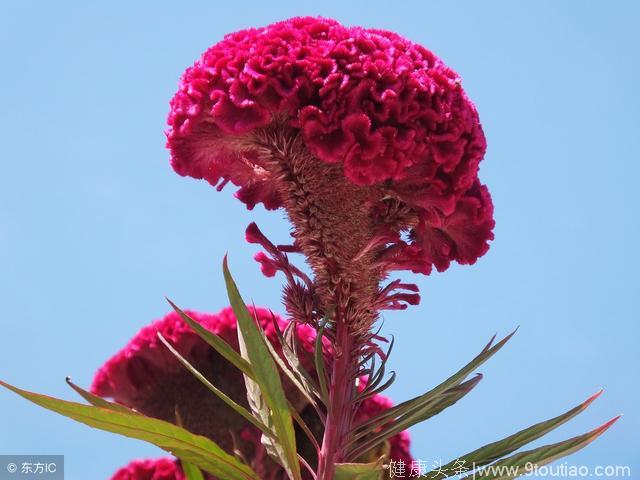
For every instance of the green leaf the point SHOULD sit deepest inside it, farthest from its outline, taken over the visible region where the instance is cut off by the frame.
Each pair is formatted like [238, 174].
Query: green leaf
[220, 346]
[374, 383]
[288, 341]
[99, 401]
[194, 449]
[432, 395]
[191, 472]
[416, 415]
[288, 371]
[358, 471]
[223, 396]
[522, 463]
[496, 450]
[305, 428]
[266, 376]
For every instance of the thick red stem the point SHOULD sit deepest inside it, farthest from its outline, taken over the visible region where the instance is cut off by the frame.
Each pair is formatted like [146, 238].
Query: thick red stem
[341, 399]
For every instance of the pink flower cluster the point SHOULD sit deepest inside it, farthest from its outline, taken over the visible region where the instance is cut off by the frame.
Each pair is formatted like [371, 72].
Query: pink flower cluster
[387, 110]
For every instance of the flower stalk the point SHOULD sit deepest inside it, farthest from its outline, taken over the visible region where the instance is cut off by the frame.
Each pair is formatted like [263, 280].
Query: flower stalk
[342, 391]
[370, 146]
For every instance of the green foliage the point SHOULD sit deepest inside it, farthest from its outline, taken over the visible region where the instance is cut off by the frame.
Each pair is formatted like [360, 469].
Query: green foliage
[217, 343]
[191, 472]
[275, 408]
[358, 471]
[223, 396]
[496, 450]
[378, 429]
[262, 365]
[195, 449]
[98, 401]
[542, 455]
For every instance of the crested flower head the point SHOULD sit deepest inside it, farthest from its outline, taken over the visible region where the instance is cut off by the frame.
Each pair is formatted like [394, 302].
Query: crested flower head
[147, 377]
[366, 139]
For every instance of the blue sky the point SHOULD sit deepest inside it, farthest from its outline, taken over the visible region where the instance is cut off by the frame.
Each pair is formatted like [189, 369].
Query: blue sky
[95, 228]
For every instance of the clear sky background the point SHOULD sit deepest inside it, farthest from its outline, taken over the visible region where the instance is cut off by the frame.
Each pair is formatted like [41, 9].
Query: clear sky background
[95, 228]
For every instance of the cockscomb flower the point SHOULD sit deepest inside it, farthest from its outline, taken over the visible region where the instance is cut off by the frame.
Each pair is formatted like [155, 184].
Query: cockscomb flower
[366, 139]
[147, 377]
[371, 146]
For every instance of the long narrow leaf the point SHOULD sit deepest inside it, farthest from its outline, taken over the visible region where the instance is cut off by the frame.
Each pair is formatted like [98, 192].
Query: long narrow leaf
[417, 415]
[223, 396]
[220, 346]
[358, 471]
[195, 449]
[288, 340]
[266, 376]
[287, 370]
[493, 451]
[523, 463]
[191, 472]
[489, 350]
[98, 401]
[305, 428]
[421, 412]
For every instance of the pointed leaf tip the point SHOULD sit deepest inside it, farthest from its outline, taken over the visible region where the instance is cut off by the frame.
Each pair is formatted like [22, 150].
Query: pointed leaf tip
[471, 383]
[491, 340]
[591, 399]
[196, 449]
[595, 433]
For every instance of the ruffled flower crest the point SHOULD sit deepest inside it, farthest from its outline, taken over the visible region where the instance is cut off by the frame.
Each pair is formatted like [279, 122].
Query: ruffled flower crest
[366, 139]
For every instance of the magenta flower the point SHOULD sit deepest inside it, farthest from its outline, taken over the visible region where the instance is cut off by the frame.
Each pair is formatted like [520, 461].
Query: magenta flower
[358, 133]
